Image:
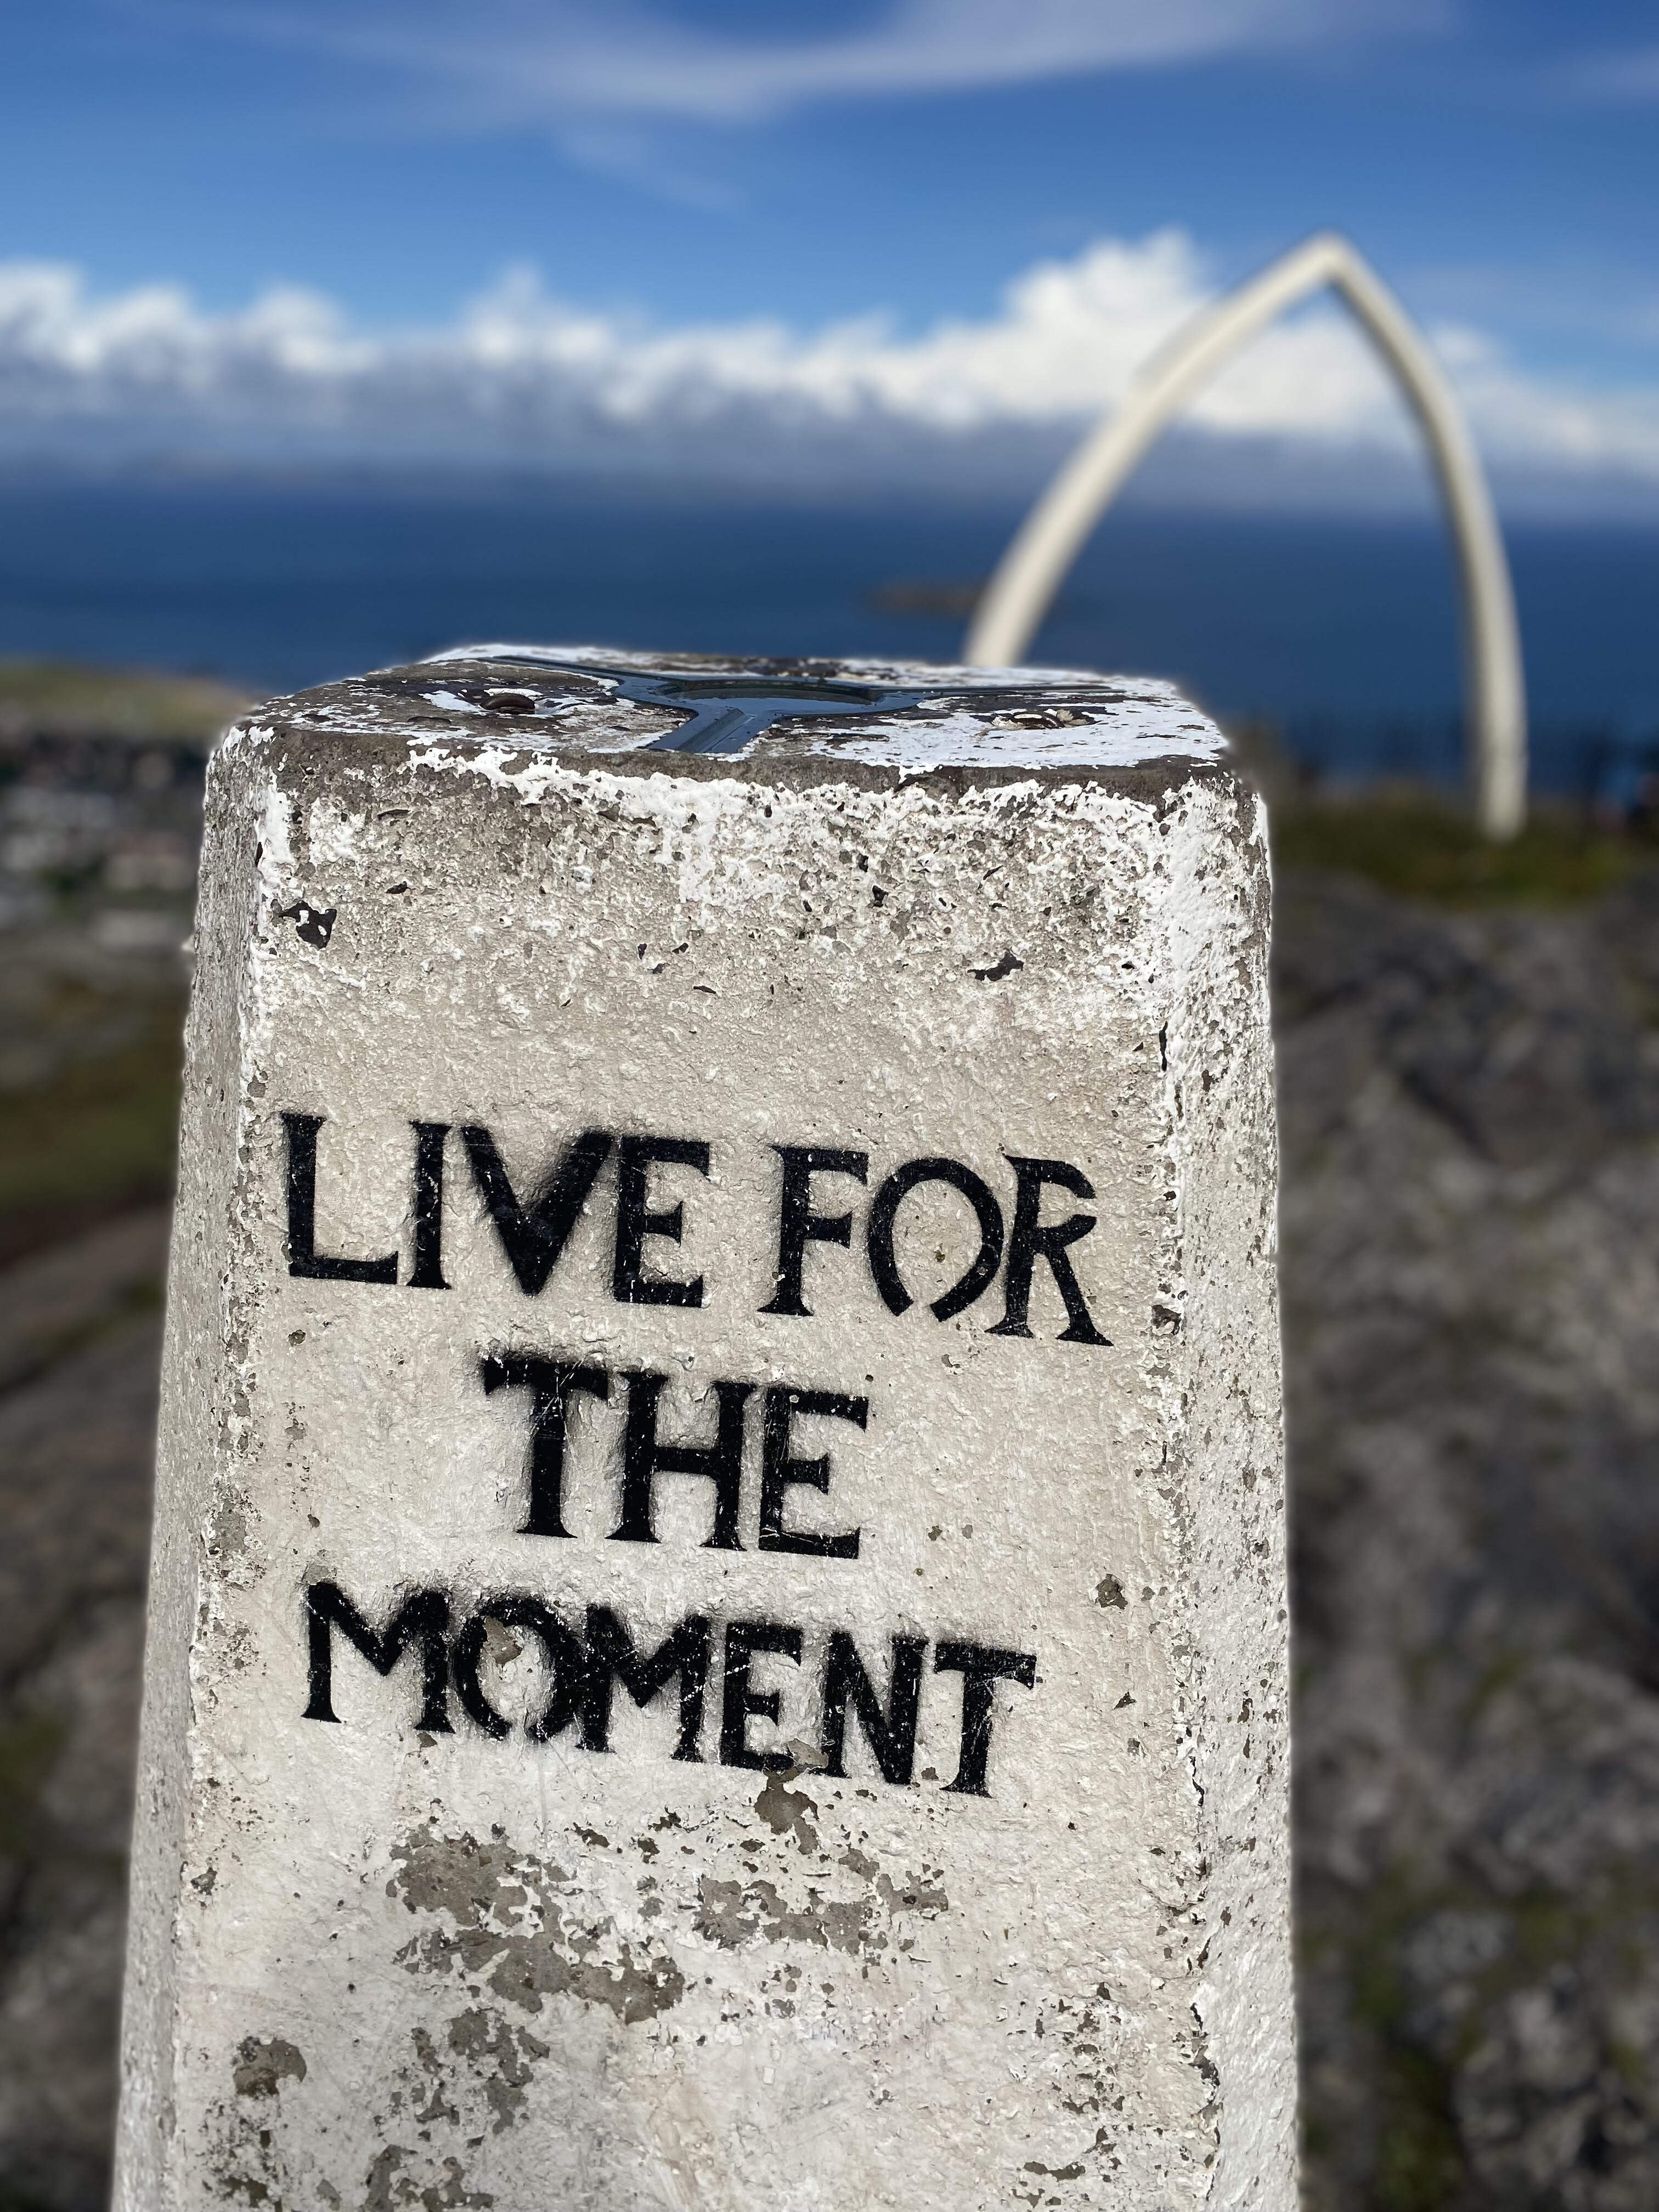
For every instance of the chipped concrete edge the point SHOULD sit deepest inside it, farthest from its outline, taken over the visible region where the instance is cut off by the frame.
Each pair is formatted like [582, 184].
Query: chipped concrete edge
[1224, 1130]
[196, 1412]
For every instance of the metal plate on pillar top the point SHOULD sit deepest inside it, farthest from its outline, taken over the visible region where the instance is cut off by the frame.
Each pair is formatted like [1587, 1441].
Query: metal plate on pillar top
[706, 705]
[718, 1630]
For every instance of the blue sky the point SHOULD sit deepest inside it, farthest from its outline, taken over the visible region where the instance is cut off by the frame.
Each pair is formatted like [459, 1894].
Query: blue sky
[666, 167]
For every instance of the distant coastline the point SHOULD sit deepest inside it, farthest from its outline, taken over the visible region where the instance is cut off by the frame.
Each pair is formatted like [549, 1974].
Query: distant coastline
[1337, 632]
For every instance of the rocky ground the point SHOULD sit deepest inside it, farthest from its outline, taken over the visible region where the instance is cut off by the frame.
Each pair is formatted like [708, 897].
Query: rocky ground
[1471, 1276]
[100, 807]
[1471, 1266]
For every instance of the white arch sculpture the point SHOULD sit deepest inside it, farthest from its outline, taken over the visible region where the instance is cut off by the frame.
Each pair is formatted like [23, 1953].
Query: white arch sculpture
[1053, 534]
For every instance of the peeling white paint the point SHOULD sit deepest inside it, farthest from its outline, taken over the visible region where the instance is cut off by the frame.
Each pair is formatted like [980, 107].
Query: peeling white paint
[1128, 735]
[374, 1965]
[332, 832]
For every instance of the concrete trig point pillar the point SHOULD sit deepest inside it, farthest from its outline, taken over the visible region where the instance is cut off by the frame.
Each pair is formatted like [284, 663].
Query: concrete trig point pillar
[718, 1633]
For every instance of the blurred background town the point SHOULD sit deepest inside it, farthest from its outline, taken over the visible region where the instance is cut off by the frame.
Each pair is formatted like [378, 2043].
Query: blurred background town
[331, 335]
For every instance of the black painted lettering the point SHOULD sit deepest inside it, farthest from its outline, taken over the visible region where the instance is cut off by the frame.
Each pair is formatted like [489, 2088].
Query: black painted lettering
[981, 1666]
[552, 1383]
[422, 1619]
[636, 1220]
[567, 1664]
[612, 1658]
[781, 1473]
[740, 1702]
[797, 1226]
[891, 1730]
[533, 1236]
[883, 1215]
[644, 1458]
[1031, 1241]
[303, 1257]
[428, 1270]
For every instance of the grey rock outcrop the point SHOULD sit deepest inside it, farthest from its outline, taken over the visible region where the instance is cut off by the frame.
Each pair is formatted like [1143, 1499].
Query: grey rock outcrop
[1471, 1271]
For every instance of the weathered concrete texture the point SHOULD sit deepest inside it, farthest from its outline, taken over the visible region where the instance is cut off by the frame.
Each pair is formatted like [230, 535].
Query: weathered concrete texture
[402, 1952]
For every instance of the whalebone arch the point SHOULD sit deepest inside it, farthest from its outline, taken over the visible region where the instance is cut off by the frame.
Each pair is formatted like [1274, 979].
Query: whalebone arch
[1048, 541]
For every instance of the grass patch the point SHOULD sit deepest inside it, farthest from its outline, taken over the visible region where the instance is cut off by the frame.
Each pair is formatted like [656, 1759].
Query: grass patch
[29, 1744]
[99, 1137]
[1420, 2157]
[1418, 846]
[49, 697]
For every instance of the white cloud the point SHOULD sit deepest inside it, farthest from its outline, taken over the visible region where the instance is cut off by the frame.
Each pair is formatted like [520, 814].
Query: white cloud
[553, 59]
[523, 376]
[1633, 74]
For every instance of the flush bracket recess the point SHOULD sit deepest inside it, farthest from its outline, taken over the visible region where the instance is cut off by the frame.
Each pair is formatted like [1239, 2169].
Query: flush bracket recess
[724, 714]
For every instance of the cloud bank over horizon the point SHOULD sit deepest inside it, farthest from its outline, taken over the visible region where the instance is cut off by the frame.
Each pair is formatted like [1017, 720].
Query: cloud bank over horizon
[521, 377]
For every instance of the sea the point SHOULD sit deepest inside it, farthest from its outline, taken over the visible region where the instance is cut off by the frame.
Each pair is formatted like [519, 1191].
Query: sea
[1339, 635]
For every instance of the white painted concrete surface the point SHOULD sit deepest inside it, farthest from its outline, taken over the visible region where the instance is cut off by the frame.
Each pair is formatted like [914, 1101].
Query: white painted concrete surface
[481, 1938]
